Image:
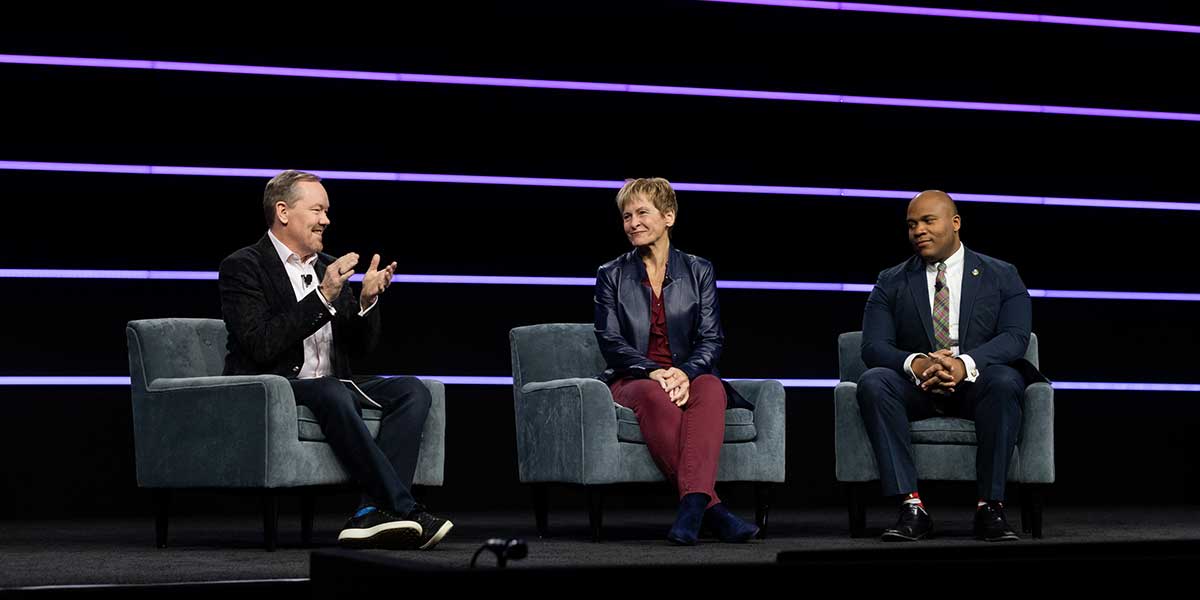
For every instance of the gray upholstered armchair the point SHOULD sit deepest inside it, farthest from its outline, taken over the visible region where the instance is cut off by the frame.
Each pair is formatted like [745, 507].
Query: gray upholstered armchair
[194, 428]
[943, 447]
[570, 431]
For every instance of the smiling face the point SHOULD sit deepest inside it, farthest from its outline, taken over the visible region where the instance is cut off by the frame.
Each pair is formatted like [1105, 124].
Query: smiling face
[644, 224]
[301, 225]
[933, 224]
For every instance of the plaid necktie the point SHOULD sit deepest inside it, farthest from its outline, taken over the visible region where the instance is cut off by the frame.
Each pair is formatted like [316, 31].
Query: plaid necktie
[941, 309]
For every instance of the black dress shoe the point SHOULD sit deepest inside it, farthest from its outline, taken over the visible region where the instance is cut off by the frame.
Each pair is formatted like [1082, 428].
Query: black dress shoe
[991, 525]
[914, 524]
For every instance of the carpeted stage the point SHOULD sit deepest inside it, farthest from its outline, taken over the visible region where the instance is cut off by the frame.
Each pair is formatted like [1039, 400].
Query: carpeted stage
[211, 556]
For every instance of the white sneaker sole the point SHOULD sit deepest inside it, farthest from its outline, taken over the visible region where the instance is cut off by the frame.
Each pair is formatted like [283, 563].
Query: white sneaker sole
[437, 537]
[396, 535]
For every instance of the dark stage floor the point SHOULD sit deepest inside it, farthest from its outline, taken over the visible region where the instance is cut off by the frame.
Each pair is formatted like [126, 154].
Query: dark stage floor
[209, 549]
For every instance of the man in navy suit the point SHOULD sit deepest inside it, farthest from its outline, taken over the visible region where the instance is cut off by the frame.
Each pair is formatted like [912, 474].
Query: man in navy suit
[945, 333]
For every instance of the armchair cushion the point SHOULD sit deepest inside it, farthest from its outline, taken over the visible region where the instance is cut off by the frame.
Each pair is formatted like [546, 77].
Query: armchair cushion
[943, 430]
[739, 426]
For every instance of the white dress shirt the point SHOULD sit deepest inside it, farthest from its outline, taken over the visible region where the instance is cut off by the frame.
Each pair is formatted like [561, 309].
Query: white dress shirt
[954, 277]
[318, 356]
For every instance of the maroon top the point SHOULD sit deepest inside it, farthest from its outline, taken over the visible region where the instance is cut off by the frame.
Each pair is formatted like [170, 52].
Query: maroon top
[659, 348]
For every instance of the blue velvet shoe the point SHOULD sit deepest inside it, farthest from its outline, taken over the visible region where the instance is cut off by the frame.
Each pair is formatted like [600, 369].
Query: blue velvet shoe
[686, 529]
[727, 526]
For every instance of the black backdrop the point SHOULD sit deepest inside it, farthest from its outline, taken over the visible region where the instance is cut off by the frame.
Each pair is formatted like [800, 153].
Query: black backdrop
[70, 448]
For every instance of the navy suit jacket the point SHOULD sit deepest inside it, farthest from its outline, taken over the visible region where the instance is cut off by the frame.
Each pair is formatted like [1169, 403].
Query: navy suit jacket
[994, 317]
[622, 318]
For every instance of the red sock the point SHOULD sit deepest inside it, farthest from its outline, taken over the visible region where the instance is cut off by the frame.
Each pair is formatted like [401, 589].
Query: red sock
[913, 498]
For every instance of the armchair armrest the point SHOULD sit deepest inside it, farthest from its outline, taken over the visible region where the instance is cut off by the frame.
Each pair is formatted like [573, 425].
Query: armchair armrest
[431, 462]
[770, 423]
[567, 432]
[854, 459]
[1036, 444]
[211, 431]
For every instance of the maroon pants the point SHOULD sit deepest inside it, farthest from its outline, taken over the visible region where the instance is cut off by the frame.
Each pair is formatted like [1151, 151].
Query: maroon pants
[684, 442]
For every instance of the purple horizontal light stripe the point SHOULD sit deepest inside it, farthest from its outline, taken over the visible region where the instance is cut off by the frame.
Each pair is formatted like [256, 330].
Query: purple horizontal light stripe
[1120, 113]
[22, 165]
[956, 105]
[17, 165]
[597, 87]
[798, 286]
[546, 84]
[900, 194]
[1118, 24]
[499, 180]
[1100, 203]
[858, 287]
[62, 380]
[491, 280]
[183, 275]
[1126, 387]
[971, 14]
[91, 380]
[674, 90]
[463, 379]
[935, 12]
[65, 61]
[725, 188]
[211, 171]
[106, 274]
[801, 383]
[105, 380]
[782, 285]
[192, 67]
[1104, 295]
[999, 199]
[356, 175]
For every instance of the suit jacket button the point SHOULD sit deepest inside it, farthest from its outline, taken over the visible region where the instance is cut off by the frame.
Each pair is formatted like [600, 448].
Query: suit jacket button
[295, 369]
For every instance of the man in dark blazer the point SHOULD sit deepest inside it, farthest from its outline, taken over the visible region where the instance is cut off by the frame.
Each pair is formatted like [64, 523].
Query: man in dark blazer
[289, 311]
[945, 333]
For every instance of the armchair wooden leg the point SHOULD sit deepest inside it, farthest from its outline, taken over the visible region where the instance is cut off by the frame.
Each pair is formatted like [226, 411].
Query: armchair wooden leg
[856, 505]
[762, 507]
[270, 509]
[161, 498]
[1038, 498]
[308, 510]
[595, 496]
[1026, 508]
[541, 508]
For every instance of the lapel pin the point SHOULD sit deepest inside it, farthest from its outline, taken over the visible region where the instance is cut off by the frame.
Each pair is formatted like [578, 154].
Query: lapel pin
[975, 272]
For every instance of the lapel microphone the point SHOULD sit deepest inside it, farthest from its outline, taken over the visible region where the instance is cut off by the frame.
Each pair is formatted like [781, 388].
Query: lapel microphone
[307, 279]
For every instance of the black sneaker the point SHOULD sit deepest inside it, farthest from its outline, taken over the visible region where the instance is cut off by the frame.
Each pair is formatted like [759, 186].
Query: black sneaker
[433, 528]
[914, 523]
[380, 529]
[991, 525]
